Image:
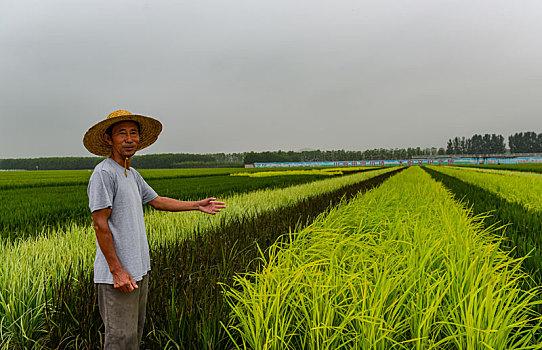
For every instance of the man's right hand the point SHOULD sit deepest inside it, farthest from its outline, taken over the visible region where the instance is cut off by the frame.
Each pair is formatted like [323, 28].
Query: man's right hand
[123, 281]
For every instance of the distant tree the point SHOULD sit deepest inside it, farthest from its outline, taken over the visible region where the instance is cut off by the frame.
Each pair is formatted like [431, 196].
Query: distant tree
[486, 144]
[525, 142]
[462, 146]
[477, 144]
[531, 139]
[450, 147]
[499, 146]
[456, 144]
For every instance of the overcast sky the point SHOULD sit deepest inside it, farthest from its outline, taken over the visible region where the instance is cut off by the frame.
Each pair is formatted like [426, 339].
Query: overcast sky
[234, 76]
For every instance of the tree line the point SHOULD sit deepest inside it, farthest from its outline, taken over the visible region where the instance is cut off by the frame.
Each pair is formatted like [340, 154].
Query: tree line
[523, 142]
[477, 144]
[339, 155]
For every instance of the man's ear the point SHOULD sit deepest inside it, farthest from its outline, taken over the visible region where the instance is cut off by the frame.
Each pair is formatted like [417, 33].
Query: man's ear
[107, 139]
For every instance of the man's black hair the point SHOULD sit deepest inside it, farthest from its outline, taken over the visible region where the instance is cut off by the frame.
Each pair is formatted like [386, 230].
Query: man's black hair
[109, 130]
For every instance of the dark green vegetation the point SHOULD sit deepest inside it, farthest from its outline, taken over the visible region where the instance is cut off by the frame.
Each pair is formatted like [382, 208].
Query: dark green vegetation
[27, 212]
[477, 144]
[522, 142]
[186, 306]
[340, 155]
[523, 231]
[151, 161]
[525, 142]
[530, 167]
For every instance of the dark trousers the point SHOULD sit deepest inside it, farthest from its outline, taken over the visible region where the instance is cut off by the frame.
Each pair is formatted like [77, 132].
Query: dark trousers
[123, 315]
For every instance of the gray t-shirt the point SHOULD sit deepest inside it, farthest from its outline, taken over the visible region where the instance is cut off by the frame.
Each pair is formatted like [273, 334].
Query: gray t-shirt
[125, 195]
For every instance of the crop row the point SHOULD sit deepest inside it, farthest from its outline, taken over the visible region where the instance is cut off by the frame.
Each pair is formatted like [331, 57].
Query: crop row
[512, 201]
[30, 269]
[522, 188]
[324, 171]
[403, 266]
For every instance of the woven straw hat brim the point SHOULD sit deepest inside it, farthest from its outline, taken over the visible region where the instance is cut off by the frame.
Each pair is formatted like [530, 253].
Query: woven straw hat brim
[94, 139]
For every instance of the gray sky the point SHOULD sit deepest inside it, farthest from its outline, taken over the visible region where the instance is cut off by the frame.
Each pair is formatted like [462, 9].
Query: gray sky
[233, 76]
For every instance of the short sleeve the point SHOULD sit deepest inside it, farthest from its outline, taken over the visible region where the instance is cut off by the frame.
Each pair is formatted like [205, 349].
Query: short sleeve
[100, 191]
[147, 193]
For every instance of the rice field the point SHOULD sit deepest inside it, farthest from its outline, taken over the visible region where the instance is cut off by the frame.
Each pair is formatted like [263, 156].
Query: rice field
[369, 258]
[403, 266]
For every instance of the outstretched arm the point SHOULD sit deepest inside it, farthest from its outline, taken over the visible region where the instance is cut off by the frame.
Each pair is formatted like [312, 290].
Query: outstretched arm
[207, 205]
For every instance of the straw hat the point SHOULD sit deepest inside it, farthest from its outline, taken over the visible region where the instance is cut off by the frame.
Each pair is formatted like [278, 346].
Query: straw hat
[94, 139]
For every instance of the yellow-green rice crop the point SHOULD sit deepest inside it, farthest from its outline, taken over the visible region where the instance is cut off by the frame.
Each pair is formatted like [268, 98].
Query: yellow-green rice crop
[29, 269]
[321, 171]
[351, 168]
[403, 266]
[518, 187]
[289, 172]
[529, 167]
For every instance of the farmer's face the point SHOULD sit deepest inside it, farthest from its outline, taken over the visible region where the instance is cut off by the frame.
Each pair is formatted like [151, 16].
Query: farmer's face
[124, 138]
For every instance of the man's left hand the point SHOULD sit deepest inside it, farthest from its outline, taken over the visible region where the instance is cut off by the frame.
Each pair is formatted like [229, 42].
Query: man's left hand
[210, 205]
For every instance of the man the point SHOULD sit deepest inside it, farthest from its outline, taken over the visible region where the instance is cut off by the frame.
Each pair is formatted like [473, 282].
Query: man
[117, 194]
